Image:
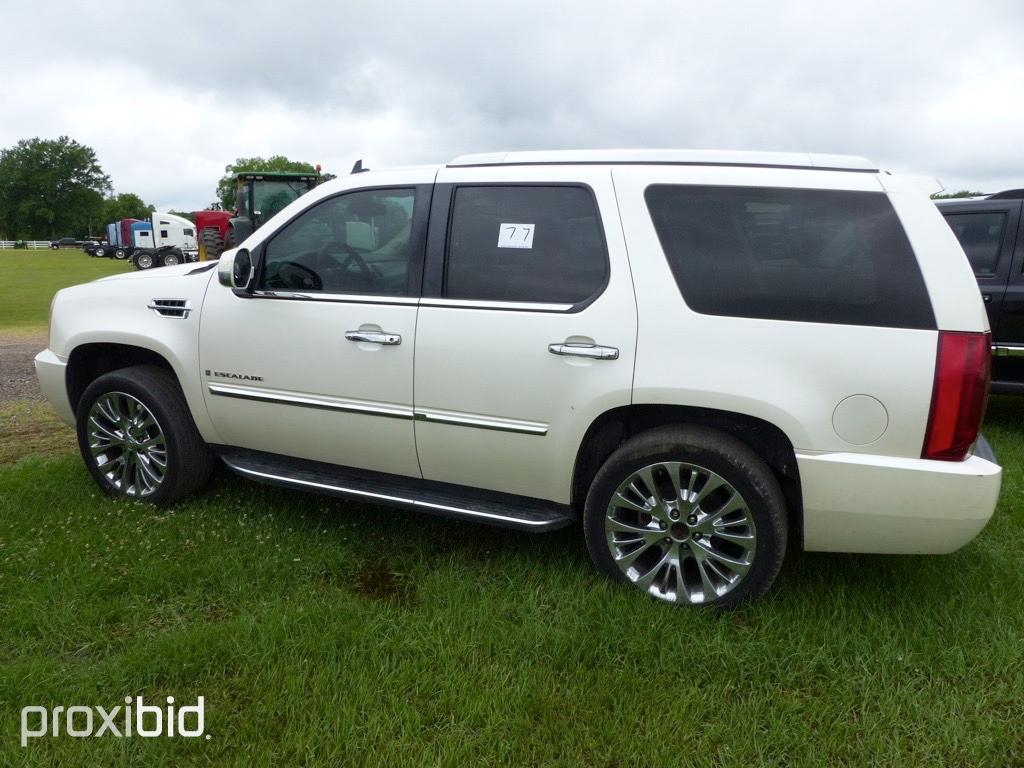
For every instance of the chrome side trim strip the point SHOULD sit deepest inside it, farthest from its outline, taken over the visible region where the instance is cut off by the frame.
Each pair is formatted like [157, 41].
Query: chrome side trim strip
[350, 298]
[1002, 350]
[319, 486]
[476, 304]
[475, 513]
[355, 298]
[307, 401]
[499, 425]
[405, 501]
[392, 411]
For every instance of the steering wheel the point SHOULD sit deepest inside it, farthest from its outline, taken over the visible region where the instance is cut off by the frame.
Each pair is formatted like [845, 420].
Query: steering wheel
[298, 276]
[370, 272]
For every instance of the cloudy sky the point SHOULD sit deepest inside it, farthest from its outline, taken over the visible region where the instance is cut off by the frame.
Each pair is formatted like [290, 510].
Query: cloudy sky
[169, 93]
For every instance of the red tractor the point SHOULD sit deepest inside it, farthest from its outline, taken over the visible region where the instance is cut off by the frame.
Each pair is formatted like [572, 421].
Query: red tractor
[260, 195]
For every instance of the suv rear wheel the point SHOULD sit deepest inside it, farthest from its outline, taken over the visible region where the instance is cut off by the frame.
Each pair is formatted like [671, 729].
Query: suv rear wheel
[138, 439]
[688, 515]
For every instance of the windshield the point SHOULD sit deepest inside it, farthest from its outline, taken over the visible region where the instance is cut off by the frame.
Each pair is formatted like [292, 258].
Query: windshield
[269, 197]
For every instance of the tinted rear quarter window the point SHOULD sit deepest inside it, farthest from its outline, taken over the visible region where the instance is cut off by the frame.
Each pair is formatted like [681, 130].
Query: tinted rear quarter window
[525, 244]
[980, 235]
[821, 256]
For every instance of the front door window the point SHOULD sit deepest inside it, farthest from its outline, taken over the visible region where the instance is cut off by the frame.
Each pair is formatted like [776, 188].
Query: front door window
[357, 243]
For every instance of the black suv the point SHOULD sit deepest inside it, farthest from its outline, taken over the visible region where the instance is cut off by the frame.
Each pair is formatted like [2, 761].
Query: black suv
[992, 236]
[64, 242]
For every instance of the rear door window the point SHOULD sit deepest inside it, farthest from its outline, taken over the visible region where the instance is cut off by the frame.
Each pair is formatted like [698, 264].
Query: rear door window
[981, 236]
[821, 256]
[525, 244]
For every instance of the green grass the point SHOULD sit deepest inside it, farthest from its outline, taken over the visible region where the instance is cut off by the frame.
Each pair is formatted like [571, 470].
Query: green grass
[332, 633]
[28, 280]
[323, 632]
[328, 632]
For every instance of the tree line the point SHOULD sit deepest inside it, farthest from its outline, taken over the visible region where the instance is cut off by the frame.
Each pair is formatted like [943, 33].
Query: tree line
[52, 188]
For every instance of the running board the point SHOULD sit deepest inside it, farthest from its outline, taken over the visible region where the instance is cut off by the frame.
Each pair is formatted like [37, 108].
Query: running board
[500, 509]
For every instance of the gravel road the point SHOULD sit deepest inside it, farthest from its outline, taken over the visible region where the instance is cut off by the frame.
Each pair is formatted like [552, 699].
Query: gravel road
[17, 374]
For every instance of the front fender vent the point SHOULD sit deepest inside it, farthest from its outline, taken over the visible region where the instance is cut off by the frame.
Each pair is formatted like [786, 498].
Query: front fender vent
[178, 308]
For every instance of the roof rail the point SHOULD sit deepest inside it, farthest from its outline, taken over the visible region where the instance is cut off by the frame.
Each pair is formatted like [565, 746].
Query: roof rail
[799, 160]
[1007, 194]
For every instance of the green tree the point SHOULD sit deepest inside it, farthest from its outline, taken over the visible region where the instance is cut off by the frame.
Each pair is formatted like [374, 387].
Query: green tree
[956, 195]
[125, 205]
[50, 188]
[226, 191]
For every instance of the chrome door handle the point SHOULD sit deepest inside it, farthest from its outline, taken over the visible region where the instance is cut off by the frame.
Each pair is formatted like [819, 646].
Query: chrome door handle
[374, 337]
[594, 351]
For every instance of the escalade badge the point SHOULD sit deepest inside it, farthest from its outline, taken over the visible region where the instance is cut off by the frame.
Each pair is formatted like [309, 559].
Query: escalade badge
[228, 375]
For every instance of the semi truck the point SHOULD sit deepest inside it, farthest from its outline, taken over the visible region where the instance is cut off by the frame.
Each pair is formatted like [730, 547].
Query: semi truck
[162, 239]
[119, 240]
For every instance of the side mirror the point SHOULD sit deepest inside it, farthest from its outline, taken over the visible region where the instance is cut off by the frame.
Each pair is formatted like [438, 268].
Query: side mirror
[235, 270]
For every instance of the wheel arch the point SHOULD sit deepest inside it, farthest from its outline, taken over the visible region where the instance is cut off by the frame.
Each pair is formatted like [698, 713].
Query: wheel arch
[88, 361]
[613, 427]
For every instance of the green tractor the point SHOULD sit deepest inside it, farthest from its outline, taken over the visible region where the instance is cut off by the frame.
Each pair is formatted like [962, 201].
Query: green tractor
[260, 195]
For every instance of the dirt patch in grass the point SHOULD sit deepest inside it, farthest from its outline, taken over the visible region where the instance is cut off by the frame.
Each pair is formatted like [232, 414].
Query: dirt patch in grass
[377, 582]
[17, 372]
[28, 424]
[30, 427]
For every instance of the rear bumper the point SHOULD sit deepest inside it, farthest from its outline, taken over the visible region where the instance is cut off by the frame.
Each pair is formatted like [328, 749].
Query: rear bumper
[50, 370]
[863, 503]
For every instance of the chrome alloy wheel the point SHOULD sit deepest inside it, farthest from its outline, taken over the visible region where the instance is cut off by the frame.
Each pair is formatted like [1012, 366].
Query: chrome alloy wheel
[127, 444]
[680, 532]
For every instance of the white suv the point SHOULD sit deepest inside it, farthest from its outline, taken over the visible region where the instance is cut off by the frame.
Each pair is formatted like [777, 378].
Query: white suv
[706, 356]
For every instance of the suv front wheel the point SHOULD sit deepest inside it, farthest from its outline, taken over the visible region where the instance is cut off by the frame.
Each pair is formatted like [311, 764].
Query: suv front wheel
[688, 515]
[138, 439]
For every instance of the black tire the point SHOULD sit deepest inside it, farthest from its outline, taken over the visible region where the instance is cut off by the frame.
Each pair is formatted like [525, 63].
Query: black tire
[213, 243]
[189, 460]
[99, 251]
[144, 260]
[120, 254]
[229, 239]
[734, 462]
[172, 258]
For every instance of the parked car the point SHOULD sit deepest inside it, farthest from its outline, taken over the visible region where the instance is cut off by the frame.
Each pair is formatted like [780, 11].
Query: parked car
[992, 236]
[65, 242]
[705, 356]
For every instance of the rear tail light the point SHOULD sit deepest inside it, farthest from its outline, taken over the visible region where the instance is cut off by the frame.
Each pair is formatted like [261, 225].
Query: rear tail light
[959, 395]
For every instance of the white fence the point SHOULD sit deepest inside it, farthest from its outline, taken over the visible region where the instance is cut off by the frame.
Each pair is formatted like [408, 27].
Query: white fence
[28, 243]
